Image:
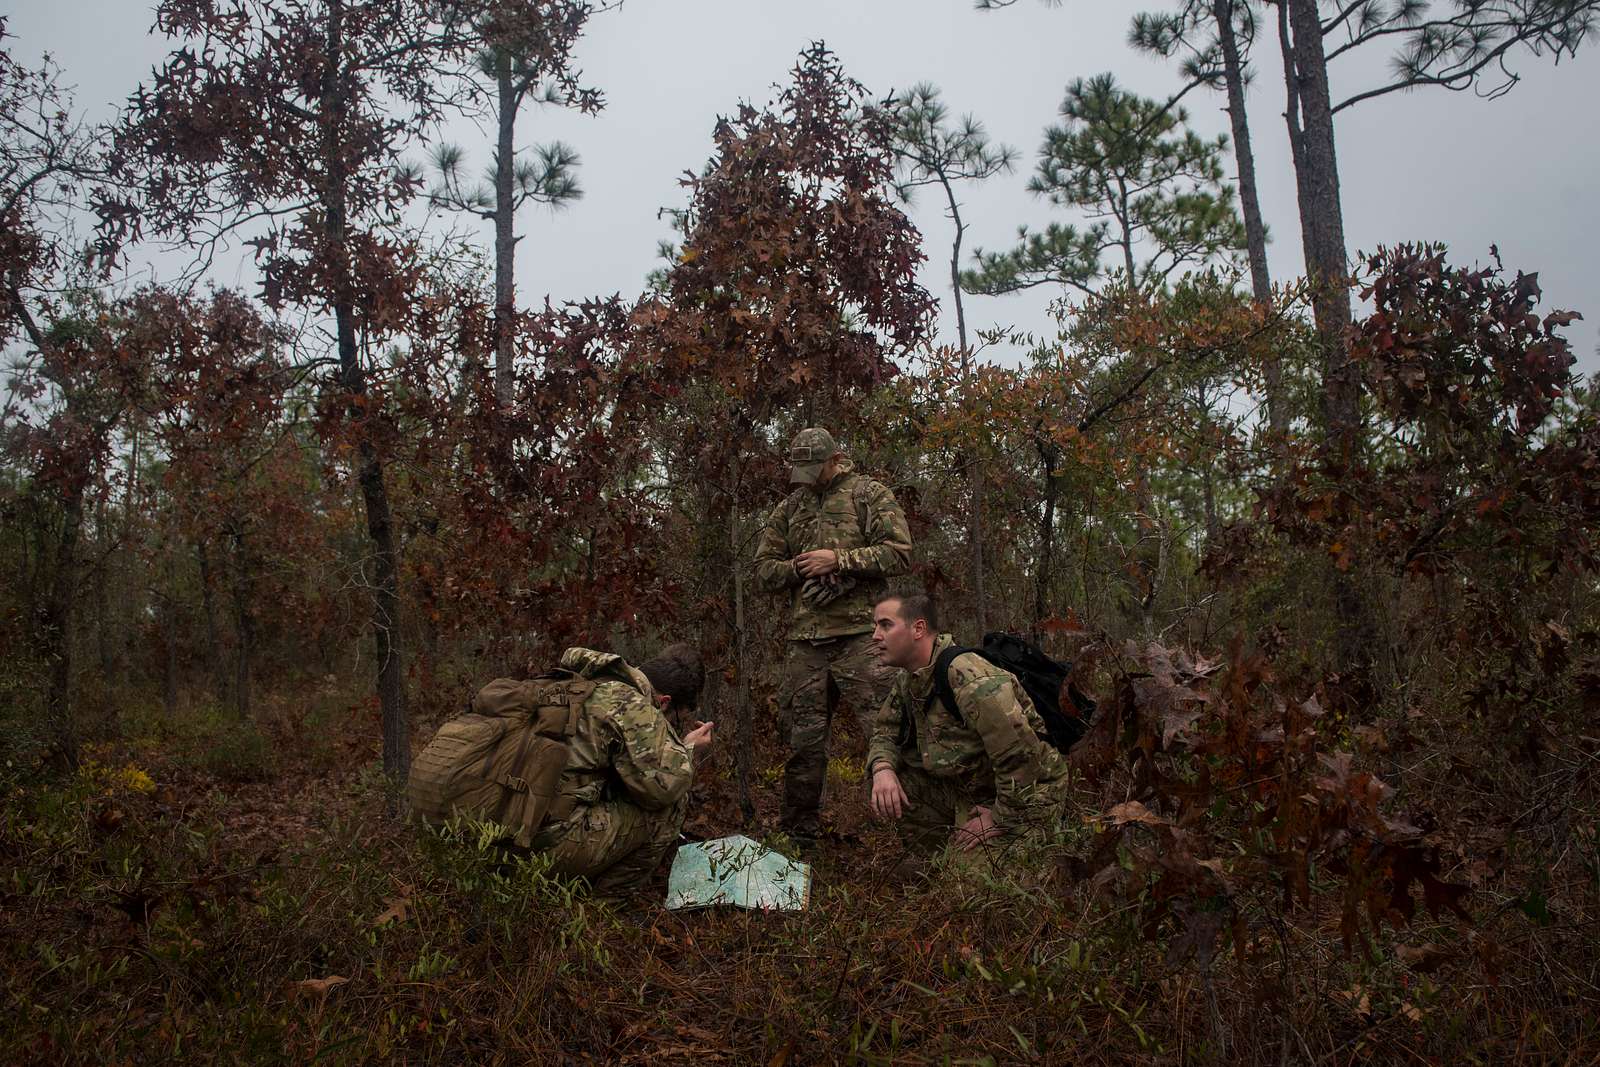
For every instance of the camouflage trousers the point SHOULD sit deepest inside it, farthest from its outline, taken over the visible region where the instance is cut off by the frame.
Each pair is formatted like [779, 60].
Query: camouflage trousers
[939, 805]
[816, 674]
[615, 844]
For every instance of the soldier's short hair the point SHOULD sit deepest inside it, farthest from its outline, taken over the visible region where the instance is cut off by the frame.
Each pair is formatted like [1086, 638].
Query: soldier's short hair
[914, 606]
[677, 672]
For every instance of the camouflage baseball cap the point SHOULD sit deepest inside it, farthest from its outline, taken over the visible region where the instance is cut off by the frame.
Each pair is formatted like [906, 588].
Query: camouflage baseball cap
[809, 450]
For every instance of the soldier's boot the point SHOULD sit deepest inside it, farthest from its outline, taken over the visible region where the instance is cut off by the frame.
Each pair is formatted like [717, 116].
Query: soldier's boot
[806, 771]
[657, 833]
[803, 778]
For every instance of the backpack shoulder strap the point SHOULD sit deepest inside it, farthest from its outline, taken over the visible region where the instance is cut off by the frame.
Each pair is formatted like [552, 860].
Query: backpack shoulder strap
[561, 704]
[941, 680]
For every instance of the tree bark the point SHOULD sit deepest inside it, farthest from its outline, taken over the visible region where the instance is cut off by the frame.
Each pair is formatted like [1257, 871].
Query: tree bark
[1047, 537]
[169, 631]
[1327, 268]
[370, 475]
[208, 604]
[244, 628]
[57, 634]
[1208, 470]
[973, 464]
[100, 583]
[1255, 229]
[745, 728]
[1148, 546]
[505, 240]
[1323, 220]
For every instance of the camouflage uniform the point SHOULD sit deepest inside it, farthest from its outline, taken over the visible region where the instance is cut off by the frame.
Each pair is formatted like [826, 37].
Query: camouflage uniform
[993, 755]
[628, 778]
[830, 630]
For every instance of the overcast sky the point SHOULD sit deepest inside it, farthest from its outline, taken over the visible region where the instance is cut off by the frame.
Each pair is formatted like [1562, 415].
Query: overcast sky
[1429, 165]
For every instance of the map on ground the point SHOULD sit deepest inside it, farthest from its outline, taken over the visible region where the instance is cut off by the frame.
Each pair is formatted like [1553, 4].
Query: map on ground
[736, 870]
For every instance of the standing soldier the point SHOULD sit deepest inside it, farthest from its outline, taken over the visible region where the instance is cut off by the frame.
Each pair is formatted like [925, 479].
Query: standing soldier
[831, 544]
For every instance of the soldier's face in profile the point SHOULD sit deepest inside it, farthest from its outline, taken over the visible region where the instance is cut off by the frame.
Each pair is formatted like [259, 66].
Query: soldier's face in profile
[896, 641]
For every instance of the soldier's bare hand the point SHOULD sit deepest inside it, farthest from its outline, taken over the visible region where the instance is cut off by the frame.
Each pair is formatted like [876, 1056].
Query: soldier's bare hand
[700, 736]
[888, 799]
[817, 562]
[975, 831]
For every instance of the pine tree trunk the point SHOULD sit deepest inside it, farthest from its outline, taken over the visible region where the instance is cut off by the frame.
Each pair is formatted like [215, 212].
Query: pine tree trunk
[505, 241]
[1323, 217]
[1255, 229]
[1047, 538]
[972, 464]
[1322, 225]
[1208, 470]
[1148, 545]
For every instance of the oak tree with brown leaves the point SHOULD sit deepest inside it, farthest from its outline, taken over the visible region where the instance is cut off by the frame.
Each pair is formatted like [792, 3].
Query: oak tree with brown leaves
[285, 122]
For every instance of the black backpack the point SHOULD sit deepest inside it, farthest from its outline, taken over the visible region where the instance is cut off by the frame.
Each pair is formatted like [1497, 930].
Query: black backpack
[1041, 678]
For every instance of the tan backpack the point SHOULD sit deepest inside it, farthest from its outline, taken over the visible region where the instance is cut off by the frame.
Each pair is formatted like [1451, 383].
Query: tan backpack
[502, 758]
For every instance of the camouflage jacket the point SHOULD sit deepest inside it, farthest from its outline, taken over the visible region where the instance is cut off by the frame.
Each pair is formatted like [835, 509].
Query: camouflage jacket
[624, 746]
[860, 520]
[994, 749]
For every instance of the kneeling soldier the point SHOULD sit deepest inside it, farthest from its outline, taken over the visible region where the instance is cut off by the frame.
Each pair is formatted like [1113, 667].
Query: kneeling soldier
[628, 775]
[579, 763]
[975, 773]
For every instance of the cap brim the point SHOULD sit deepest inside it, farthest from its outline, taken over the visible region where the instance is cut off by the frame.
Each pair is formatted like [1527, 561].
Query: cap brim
[805, 474]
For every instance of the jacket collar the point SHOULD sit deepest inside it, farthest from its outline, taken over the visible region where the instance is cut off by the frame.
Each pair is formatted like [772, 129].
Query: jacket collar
[922, 679]
[846, 468]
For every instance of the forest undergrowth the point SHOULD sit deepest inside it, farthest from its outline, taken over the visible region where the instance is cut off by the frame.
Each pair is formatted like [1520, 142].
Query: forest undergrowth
[207, 889]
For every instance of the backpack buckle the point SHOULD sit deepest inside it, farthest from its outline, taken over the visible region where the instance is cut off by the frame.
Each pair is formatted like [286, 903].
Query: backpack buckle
[516, 784]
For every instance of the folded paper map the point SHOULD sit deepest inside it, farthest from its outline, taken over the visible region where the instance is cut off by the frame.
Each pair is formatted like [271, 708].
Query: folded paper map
[736, 870]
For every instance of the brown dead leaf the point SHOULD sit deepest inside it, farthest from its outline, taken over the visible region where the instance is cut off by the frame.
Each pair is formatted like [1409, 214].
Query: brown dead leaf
[317, 986]
[1134, 811]
[1372, 737]
[1358, 999]
[1175, 722]
[697, 1033]
[781, 1057]
[398, 910]
[1423, 958]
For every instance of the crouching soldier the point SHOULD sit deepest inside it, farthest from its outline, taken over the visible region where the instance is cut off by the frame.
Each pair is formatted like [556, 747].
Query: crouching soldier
[977, 772]
[580, 764]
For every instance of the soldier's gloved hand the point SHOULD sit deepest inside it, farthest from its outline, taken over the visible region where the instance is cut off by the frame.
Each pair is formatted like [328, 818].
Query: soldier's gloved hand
[821, 591]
